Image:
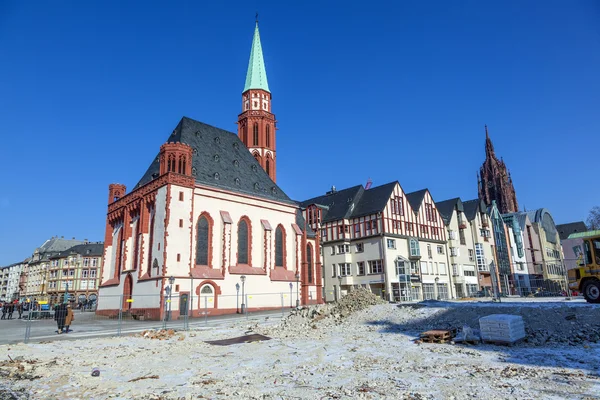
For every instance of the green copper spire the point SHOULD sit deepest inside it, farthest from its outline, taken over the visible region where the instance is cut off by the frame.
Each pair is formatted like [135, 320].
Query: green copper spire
[256, 77]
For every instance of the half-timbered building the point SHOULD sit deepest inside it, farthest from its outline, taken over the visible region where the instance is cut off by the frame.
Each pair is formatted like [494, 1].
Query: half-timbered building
[381, 239]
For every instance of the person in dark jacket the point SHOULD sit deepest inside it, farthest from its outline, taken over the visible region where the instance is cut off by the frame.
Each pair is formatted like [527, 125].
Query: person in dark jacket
[11, 310]
[60, 315]
[20, 309]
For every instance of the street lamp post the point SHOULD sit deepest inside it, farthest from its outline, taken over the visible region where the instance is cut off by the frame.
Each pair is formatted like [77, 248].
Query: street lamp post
[243, 279]
[66, 299]
[297, 289]
[171, 282]
[339, 293]
[237, 298]
[291, 295]
[437, 289]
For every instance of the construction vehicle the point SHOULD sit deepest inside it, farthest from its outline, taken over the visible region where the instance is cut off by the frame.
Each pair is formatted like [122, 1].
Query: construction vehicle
[585, 277]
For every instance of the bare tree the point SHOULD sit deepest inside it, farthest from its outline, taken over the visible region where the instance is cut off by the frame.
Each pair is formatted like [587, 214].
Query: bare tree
[593, 221]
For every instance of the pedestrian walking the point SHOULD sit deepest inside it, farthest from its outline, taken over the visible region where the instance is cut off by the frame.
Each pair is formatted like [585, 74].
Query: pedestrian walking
[20, 309]
[60, 315]
[69, 318]
[3, 306]
[11, 310]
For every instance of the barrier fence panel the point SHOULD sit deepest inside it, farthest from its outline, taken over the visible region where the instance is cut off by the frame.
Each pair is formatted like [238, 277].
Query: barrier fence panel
[132, 314]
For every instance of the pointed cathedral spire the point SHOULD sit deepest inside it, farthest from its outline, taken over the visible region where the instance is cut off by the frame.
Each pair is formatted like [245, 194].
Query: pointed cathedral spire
[489, 146]
[256, 77]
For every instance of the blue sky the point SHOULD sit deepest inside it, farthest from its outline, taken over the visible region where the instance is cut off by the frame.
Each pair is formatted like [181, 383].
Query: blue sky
[381, 90]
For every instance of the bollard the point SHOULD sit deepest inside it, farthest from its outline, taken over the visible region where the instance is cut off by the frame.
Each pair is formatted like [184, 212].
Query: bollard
[282, 305]
[206, 310]
[246, 311]
[120, 316]
[28, 327]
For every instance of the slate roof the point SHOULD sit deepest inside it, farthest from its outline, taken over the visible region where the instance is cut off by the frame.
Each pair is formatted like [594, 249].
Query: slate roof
[87, 249]
[564, 230]
[416, 198]
[446, 208]
[352, 202]
[471, 208]
[373, 200]
[338, 203]
[221, 160]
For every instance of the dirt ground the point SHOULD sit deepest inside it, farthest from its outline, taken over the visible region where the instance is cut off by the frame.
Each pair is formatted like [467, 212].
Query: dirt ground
[325, 352]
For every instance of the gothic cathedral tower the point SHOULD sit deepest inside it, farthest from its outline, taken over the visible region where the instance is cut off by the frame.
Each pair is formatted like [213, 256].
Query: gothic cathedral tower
[495, 182]
[256, 123]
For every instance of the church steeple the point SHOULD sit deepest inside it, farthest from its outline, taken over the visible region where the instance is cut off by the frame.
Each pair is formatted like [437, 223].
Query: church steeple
[494, 181]
[256, 77]
[489, 146]
[256, 123]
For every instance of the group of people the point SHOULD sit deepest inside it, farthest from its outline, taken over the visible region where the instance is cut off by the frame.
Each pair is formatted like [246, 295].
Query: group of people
[9, 308]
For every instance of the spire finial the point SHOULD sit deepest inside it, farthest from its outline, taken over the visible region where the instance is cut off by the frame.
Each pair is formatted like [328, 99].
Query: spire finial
[256, 18]
[486, 131]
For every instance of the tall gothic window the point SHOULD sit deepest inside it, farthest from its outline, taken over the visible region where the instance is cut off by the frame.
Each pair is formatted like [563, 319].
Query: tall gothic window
[255, 134]
[309, 262]
[268, 136]
[243, 242]
[268, 166]
[279, 245]
[151, 242]
[245, 134]
[202, 241]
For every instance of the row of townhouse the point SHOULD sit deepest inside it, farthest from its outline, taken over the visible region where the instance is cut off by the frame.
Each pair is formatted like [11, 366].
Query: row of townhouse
[9, 280]
[58, 267]
[405, 246]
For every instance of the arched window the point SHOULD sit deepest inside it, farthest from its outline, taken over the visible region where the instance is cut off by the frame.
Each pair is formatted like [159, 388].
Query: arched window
[279, 246]
[257, 157]
[268, 166]
[206, 289]
[243, 242]
[309, 262]
[268, 136]
[150, 242]
[245, 134]
[203, 240]
[255, 134]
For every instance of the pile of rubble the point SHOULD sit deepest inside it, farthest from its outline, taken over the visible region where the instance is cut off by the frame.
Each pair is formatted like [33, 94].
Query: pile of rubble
[306, 321]
[544, 325]
[160, 334]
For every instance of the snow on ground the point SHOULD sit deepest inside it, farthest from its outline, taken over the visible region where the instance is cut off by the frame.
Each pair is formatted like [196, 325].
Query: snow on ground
[368, 354]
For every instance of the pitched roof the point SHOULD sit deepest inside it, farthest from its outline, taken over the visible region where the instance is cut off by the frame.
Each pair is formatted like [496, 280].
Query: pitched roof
[256, 77]
[338, 203]
[446, 208]
[88, 249]
[57, 244]
[564, 230]
[373, 200]
[471, 208]
[221, 160]
[416, 198]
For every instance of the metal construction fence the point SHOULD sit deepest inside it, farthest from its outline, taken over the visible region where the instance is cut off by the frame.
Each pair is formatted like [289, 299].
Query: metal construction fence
[125, 315]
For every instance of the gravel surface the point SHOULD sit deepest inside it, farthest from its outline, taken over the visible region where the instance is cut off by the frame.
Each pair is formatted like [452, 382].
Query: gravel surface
[353, 351]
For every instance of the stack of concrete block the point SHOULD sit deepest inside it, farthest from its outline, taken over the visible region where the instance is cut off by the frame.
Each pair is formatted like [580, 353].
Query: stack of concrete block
[502, 328]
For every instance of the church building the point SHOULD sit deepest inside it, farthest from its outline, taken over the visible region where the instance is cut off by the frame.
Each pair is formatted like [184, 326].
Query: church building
[494, 181]
[208, 218]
